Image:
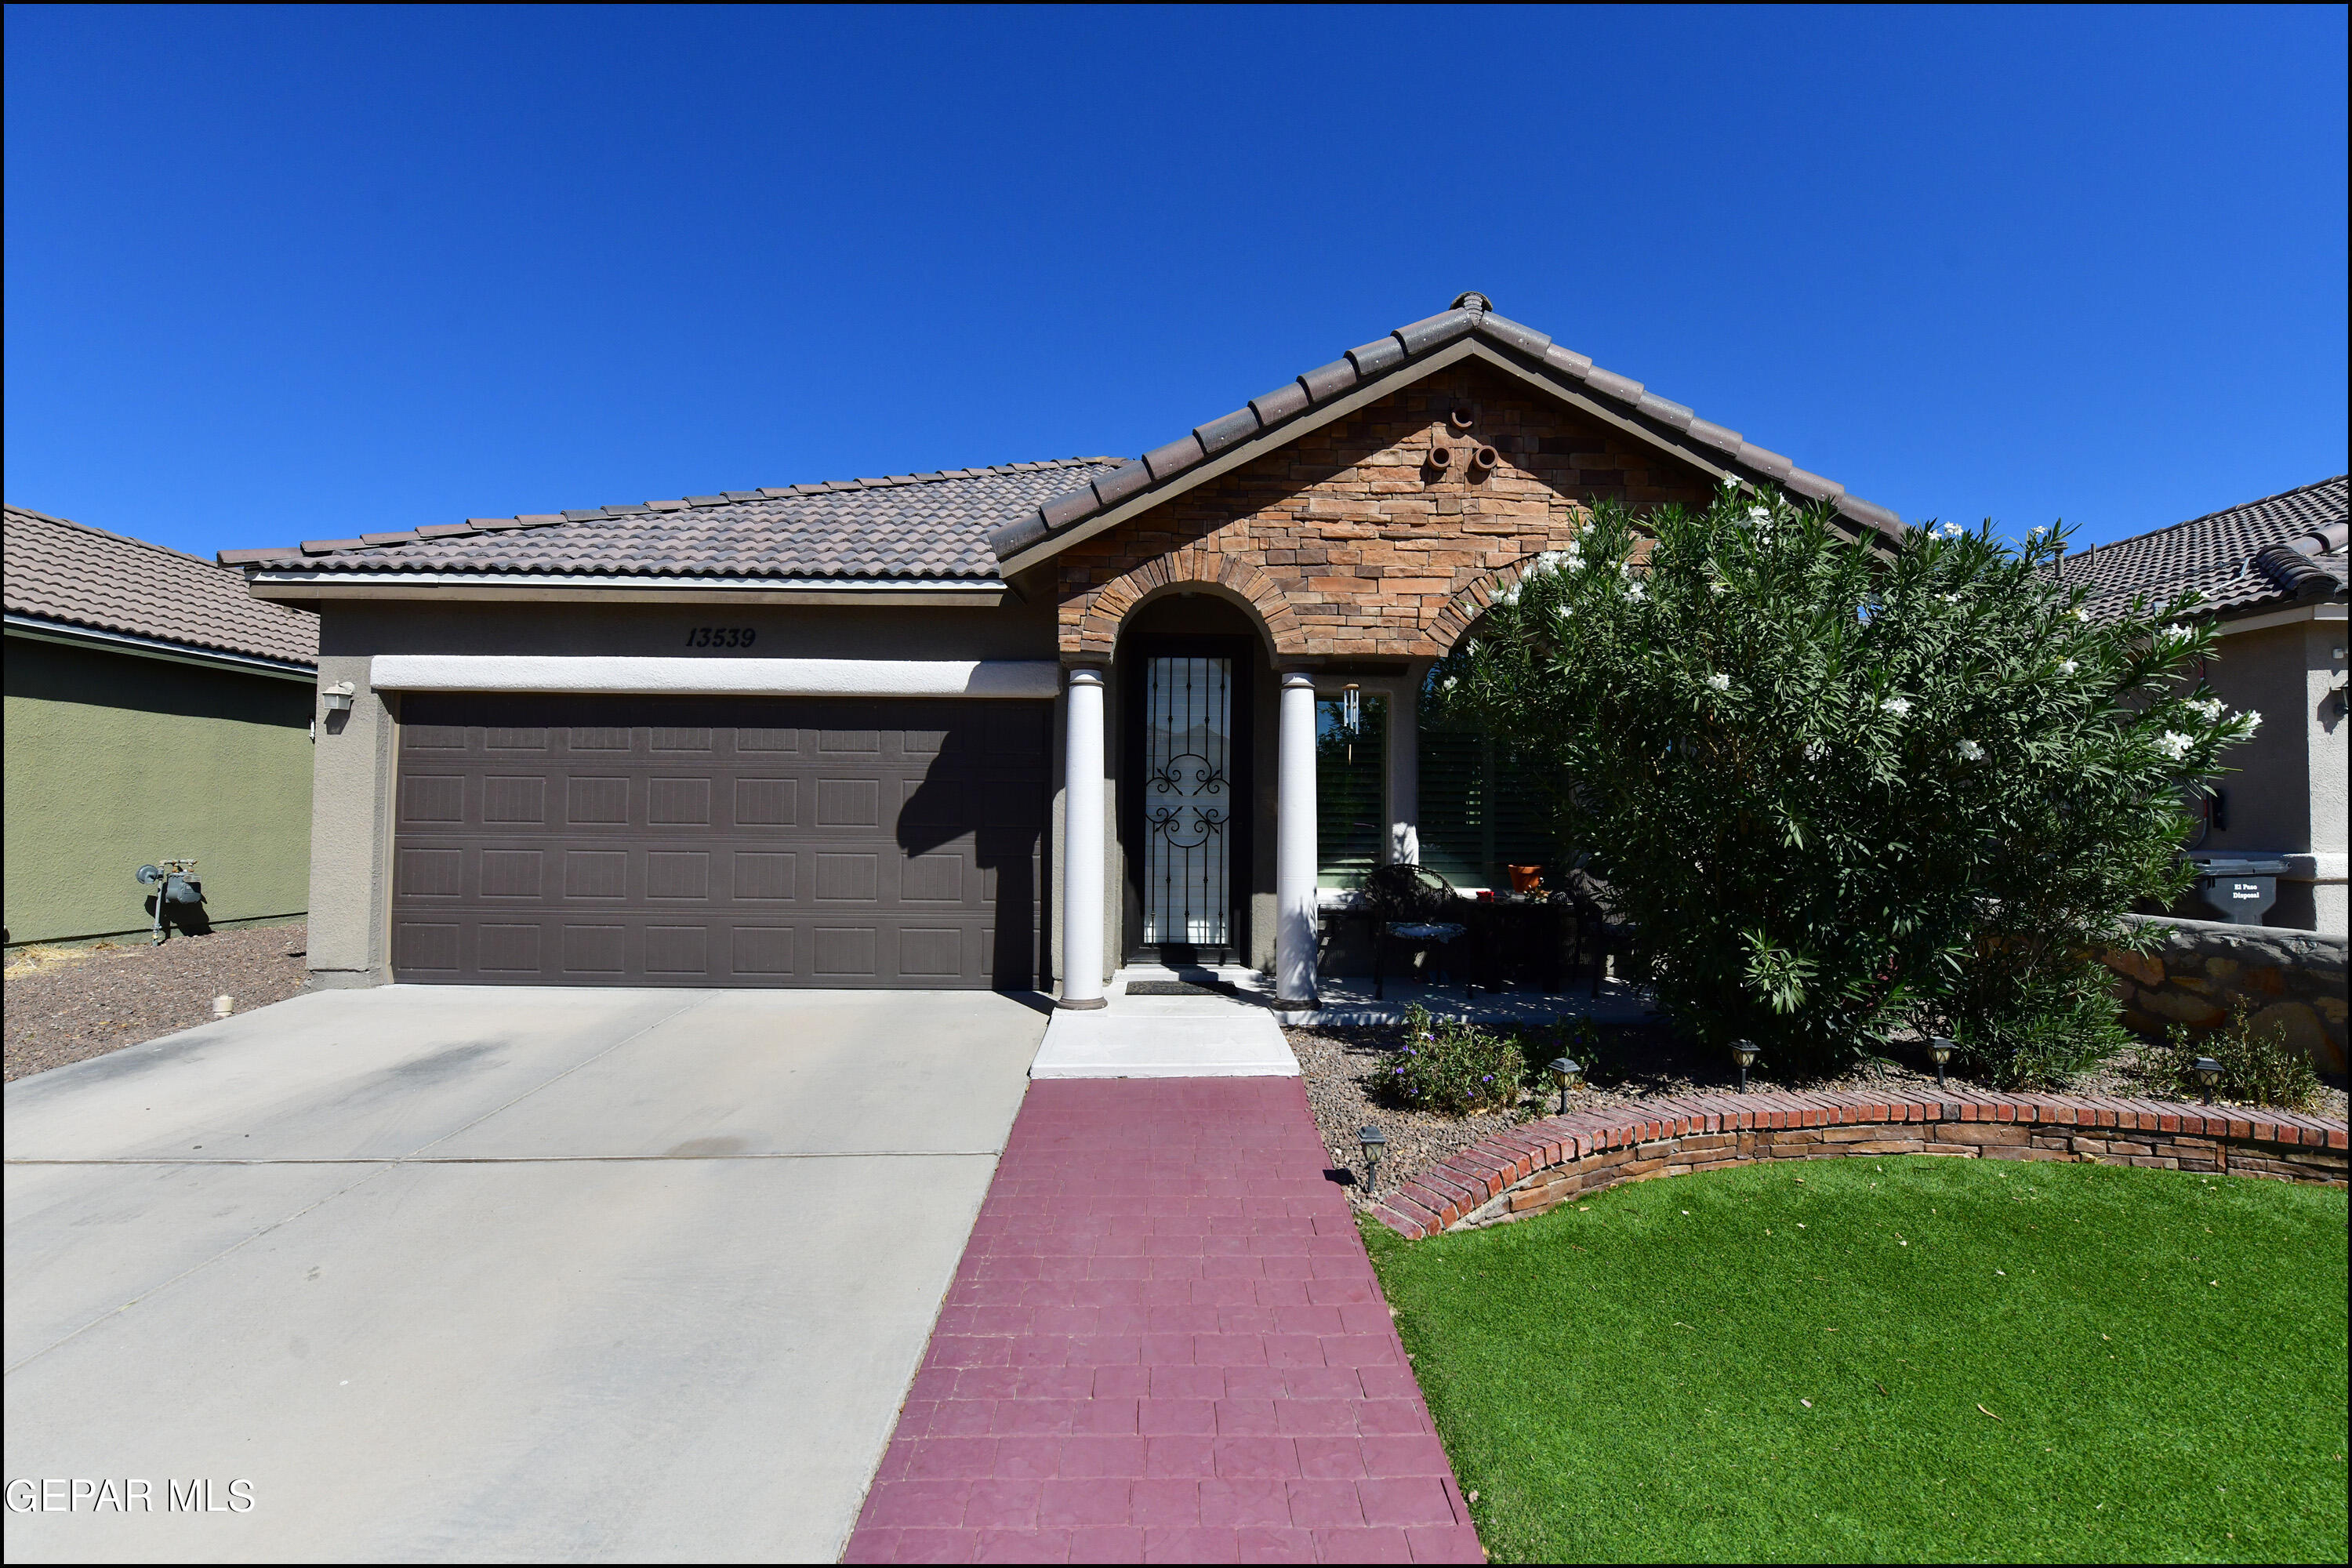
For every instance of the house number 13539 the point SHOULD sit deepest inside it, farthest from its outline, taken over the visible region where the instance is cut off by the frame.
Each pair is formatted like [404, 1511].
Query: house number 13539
[722, 636]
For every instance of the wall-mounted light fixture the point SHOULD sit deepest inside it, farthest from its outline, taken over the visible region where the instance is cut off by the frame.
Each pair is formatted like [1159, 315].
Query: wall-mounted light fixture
[339, 696]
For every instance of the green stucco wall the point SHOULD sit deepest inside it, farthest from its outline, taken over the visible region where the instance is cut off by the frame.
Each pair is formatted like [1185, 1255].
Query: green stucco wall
[114, 759]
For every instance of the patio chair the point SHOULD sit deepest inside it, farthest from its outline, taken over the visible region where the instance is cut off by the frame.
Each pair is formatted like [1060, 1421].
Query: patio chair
[1599, 933]
[1413, 911]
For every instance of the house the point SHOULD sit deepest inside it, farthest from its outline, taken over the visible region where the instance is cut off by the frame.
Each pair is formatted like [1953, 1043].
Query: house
[1006, 726]
[2272, 574]
[155, 710]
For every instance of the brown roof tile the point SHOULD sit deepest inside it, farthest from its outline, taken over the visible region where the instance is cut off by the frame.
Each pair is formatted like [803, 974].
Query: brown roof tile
[1472, 315]
[71, 574]
[907, 526]
[2277, 549]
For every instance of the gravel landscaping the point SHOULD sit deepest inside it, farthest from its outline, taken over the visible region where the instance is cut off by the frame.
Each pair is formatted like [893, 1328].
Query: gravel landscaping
[1639, 1061]
[66, 1005]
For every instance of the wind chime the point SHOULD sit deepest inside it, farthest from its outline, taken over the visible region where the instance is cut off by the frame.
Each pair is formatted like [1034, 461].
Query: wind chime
[1352, 714]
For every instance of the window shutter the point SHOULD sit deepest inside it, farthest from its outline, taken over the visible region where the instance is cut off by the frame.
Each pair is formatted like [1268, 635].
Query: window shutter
[1350, 790]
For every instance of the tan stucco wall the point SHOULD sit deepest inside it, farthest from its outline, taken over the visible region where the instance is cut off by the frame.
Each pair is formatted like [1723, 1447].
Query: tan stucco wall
[116, 760]
[351, 792]
[2288, 796]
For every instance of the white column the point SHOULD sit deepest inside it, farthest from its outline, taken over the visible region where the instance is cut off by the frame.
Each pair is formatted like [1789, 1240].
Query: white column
[1082, 842]
[1295, 920]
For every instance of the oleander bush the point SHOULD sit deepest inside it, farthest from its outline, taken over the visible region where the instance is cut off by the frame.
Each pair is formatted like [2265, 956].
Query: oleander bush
[1839, 796]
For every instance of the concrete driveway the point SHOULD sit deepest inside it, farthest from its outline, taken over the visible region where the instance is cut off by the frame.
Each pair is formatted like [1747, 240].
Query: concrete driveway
[469, 1273]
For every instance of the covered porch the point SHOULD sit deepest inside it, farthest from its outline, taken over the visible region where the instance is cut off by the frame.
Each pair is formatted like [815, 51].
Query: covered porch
[1225, 805]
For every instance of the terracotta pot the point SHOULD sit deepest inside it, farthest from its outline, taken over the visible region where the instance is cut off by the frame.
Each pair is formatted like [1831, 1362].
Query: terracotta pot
[1526, 879]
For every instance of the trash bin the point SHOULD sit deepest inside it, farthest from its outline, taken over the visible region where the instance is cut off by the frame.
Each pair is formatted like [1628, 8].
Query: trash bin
[2242, 889]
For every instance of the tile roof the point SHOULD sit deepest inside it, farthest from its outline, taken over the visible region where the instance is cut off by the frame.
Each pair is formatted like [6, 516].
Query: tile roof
[2278, 550]
[1472, 316]
[72, 574]
[906, 526]
[961, 524]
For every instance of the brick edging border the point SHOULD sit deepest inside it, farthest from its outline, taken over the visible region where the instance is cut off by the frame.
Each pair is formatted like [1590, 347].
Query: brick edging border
[1530, 1169]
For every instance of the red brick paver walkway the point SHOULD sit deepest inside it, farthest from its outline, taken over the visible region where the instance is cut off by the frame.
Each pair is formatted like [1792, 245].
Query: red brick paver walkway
[1164, 1344]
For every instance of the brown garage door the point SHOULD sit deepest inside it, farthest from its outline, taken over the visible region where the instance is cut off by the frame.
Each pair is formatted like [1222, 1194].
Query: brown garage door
[701, 841]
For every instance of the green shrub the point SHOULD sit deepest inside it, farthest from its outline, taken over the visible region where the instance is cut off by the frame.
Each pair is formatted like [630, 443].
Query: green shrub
[1837, 794]
[2052, 1028]
[1453, 1067]
[2257, 1067]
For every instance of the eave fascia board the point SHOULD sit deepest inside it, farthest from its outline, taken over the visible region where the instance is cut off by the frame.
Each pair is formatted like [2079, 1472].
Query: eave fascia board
[294, 586]
[1013, 679]
[37, 630]
[1711, 461]
[2230, 626]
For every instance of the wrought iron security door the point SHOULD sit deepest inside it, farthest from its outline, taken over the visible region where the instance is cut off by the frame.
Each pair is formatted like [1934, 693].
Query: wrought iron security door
[1189, 801]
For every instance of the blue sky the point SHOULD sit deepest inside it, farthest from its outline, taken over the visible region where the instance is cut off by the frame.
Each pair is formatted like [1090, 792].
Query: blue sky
[282, 274]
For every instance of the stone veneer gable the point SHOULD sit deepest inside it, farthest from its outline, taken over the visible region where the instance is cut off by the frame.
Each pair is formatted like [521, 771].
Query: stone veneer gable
[1344, 541]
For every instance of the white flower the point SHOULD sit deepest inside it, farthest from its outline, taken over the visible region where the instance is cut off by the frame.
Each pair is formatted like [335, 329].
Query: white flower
[2083, 616]
[1719, 682]
[1447, 684]
[1757, 514]
[2038, 532]
[1636, 593]
[1970, 752]
[1815, 750]
[1951, 531]
[2208, 707]
[2254, 720]
[1716, 586]
[2168, 637]
[1509, 595]
[1949, 598]
[2067, 667]
[1898, 706]
[2175, 744]
[1561, 610]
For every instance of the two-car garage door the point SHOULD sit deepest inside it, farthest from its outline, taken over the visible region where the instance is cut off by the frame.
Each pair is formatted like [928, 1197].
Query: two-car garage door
[719, 841]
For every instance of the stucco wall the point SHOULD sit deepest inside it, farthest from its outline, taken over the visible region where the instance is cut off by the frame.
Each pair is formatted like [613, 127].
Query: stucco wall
[2287, 796]
[116, 760]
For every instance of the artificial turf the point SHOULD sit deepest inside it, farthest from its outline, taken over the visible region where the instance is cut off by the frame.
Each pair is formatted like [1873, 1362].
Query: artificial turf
[1903, 1359]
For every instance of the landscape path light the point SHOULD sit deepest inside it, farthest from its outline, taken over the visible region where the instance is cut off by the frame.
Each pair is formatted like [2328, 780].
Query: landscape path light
[1939, 1051]
[1564, 1072]
[1373, 1142]
[1744, 1053]
[2209, 1073]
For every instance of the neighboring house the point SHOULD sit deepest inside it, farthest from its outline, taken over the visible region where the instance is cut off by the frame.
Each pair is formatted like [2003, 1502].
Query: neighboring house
[995, 726]
[154, 710]
[2272, 574]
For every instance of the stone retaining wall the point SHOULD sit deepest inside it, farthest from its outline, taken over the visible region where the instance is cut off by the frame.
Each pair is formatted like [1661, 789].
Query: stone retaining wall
[1545, 1163]
[2201, 969]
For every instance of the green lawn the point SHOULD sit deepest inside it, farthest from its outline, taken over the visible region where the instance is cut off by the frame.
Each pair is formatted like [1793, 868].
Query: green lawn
[2162, 1357]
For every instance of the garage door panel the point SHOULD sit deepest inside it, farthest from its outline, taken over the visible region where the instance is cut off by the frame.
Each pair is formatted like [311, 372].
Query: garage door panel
[719, 842]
